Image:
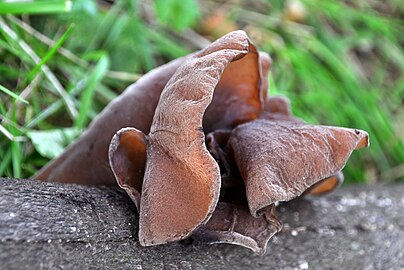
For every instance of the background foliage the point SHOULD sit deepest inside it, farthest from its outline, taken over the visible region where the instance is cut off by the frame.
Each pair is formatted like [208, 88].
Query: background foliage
[340, 62]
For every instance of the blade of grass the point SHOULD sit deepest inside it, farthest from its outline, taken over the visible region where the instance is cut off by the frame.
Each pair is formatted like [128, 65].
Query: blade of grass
[7, 72]
[118, 75]
[51, 110]
[16, 157]
[44, 39]
[35, 7]
[86, 98]
[10, 93]
[4, 164]
[48, 56]
[105, 24]
[35, 58]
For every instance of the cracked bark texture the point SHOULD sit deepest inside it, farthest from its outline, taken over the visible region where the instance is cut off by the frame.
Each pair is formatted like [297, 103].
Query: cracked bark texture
[56, 226]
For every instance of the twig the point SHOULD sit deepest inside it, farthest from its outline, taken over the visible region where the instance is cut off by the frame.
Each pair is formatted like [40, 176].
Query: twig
[195, 39]
[123, 76]
[28, 90]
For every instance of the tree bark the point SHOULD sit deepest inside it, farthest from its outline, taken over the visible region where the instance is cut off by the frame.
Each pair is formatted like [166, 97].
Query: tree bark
[61, 226]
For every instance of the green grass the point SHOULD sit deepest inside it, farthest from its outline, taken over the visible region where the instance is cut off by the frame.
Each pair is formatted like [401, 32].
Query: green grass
[340, 64]
[34, 7]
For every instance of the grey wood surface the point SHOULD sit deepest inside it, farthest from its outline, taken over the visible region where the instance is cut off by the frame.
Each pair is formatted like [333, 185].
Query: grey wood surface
[54, 226]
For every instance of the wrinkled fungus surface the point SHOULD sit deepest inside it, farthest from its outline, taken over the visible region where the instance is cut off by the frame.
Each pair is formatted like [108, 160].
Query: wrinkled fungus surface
[204, 152]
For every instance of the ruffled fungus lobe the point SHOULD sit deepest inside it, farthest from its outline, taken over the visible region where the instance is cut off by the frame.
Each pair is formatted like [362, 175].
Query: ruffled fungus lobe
[240, 92]
[326, 185]
[218, 189]
[127, 155]
[277, 108]
[278, 160]
[278, 105]
[182, 181]
[86, 160]
[234, 224]
[237, 99]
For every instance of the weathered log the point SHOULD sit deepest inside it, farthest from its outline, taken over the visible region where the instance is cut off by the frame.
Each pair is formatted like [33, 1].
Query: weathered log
[56, 226]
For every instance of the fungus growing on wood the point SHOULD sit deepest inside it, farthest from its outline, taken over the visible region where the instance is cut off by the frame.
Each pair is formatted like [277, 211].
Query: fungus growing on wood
[233, 224]
[237, 99]
[86, 160]
[127, 155]
[181, 183]
[278, 161]
[326, 185]
[218, 154]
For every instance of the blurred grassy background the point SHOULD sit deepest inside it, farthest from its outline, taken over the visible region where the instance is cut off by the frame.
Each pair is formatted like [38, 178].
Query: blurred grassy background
[340, 62]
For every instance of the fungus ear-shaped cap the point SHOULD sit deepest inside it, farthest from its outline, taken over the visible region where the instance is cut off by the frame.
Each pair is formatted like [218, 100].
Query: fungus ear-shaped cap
[240, 93]
[237, 99]
[86, 160]
[234, 224]
[277, 105]
[182, 180]
[127, 157]
[277, 108]
[326, 185]
[278, 161]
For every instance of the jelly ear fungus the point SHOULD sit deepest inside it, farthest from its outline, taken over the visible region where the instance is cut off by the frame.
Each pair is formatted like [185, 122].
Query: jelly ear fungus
[218, 154]
[181, 183]
[279, 161]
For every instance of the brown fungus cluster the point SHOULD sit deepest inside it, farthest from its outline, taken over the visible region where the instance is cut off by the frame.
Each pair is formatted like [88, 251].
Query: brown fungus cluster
[218, 155]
